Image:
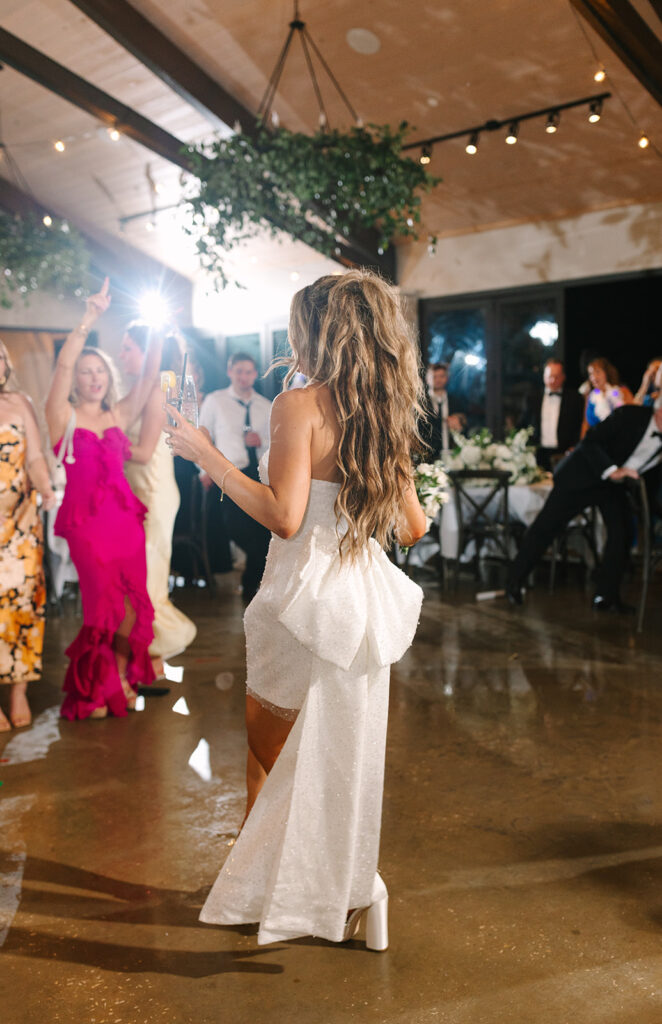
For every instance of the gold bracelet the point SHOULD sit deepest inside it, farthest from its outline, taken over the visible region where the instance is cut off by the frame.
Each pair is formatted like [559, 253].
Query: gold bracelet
[223, 480]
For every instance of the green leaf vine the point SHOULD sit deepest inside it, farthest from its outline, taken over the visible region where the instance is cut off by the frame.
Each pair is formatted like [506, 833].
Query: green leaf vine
[320, 189]
[35, 256]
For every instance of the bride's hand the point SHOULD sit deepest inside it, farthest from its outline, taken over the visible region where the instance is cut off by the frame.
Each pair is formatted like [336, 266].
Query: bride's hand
[185, 440]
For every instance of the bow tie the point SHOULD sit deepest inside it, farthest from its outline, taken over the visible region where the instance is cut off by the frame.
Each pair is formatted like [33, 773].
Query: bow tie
[657, 433]
[554, 394]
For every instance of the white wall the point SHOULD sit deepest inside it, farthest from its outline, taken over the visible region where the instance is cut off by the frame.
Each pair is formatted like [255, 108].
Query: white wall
[619, 240]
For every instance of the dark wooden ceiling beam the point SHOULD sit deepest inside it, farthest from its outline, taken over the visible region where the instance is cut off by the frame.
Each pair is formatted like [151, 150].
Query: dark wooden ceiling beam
[657, 7]
[76, 90]
[165, 59]
[630, 38]
[59, 80]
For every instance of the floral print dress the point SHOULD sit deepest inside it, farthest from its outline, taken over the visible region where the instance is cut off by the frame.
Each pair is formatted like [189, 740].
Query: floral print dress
[22, 588]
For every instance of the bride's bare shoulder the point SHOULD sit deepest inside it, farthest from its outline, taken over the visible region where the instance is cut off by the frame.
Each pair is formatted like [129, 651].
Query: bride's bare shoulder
[305, 402]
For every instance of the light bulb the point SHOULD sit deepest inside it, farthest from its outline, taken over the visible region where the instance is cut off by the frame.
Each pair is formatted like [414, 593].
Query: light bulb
[114, 134]
[426, 155]
[472, 145]
[644, 141]
[47, 220]
[600, 75]
[595, 111]
[513, 132]
[552, 123]
[59, 146]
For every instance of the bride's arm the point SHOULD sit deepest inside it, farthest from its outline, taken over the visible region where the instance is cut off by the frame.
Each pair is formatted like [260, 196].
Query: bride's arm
[281, 504]
[413, 524]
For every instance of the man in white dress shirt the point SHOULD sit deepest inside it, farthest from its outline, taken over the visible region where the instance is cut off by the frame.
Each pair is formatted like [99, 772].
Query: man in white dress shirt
[237, 419]
[555, 412]
[440, 422]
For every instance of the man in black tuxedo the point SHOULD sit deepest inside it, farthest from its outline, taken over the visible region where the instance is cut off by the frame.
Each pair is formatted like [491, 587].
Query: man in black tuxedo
[628, 444]
[555, 412]
[439, 421]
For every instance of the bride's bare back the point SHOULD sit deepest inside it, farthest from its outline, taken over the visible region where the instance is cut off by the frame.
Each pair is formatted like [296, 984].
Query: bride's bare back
[325, 434]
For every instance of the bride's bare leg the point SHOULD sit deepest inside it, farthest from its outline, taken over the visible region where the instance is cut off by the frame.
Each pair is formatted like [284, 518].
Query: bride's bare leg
[266, 737]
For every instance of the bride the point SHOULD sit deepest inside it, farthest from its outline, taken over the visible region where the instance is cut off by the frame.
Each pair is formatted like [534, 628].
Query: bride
[331, 616]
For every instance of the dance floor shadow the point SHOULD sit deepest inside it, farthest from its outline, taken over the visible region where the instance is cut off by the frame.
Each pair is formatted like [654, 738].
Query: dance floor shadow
[624, 858]
[119, 902]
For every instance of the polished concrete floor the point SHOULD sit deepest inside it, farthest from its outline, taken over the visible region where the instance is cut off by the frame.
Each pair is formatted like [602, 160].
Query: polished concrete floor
[522, 835]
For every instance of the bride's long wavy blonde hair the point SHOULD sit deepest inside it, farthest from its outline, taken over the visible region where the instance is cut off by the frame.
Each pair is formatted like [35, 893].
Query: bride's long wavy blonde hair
[349, 333]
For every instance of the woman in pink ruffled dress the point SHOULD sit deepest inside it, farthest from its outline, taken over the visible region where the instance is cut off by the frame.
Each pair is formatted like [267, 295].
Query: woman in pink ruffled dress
[102, 521]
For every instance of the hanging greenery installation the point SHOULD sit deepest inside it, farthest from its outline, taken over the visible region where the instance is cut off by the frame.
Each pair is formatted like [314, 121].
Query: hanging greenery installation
[34, 255]
[320, 189]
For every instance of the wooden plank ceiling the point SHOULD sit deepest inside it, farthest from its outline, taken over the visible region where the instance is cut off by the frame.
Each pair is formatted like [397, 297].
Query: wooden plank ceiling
[440, 67]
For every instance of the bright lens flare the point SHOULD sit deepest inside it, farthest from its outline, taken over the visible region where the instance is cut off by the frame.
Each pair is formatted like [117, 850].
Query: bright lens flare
[154, 309]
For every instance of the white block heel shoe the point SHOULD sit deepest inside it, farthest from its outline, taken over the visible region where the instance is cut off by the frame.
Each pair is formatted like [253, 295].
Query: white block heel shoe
[376, 915]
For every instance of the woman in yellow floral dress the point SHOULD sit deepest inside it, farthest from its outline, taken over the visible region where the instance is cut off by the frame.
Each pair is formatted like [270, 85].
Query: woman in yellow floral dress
[22, 591]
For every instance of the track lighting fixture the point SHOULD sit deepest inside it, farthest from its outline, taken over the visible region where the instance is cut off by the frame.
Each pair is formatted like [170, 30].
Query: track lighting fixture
[595, 111]
[552, 123]
[551, 115]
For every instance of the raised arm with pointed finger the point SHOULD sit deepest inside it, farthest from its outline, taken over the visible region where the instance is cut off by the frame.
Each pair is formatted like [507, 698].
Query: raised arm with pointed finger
[58, 407]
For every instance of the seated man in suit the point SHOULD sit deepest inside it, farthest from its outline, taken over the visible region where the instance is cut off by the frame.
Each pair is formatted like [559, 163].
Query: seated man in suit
[439, 422]
[555, 412]
[628, 444]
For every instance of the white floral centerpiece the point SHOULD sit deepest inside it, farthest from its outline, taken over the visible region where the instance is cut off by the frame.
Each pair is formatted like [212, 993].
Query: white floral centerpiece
[480, 451]
[431, 483]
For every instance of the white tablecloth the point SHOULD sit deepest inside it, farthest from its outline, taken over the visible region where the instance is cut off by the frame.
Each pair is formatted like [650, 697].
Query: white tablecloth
[524, 504]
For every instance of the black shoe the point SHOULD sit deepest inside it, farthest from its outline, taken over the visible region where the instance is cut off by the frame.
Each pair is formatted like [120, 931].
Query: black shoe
[514, 594]
[611, 604]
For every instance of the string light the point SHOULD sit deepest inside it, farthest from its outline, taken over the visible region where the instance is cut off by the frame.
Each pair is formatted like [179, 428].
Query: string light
[595, 111]
[599, 76]
[472, 145]
[513, 132]
[426, 155]
[114, 134]
[552, 123]
[59, 146]
[47, 220]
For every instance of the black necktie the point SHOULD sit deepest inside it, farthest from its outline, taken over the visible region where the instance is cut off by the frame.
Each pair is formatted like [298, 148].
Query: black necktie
[252, 451]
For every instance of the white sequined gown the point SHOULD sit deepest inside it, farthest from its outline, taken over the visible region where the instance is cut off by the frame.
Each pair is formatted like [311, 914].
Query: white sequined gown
[320, 640]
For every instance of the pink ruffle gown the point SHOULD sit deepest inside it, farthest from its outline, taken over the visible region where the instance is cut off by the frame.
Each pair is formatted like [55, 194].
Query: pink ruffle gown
[101, 520]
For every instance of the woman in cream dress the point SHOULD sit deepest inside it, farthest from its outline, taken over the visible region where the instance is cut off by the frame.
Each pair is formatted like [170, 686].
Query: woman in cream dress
[331, 615]
[151, 475]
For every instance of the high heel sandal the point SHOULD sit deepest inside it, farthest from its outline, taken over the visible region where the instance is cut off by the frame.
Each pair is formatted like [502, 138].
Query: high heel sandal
[129, 693]
[376, 916]
[99, 713]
